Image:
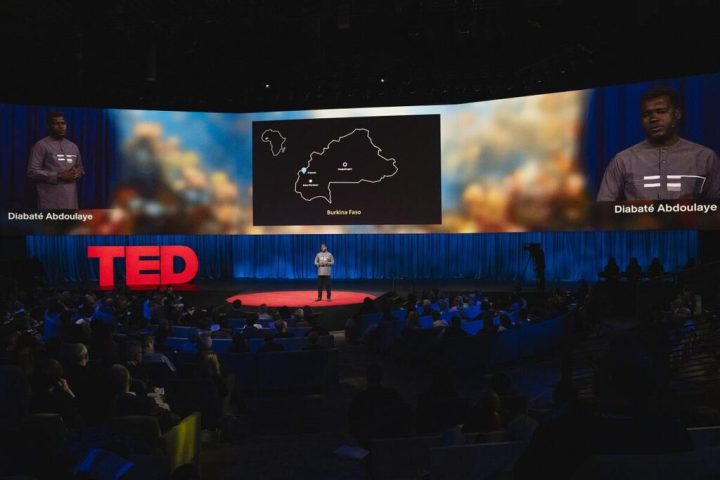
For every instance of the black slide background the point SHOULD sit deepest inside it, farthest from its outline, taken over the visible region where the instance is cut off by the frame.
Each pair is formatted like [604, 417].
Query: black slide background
[410, 197]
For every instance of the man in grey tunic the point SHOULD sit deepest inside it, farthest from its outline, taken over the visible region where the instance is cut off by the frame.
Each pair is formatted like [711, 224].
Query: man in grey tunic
[323, 261]
[55, 166]
[664, 166]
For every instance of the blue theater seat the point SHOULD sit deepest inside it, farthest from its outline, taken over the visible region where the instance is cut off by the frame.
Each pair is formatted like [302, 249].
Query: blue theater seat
[184, 332]
[426, 321]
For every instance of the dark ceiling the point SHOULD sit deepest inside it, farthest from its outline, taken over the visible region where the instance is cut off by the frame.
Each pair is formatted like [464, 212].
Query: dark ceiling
[270, 55]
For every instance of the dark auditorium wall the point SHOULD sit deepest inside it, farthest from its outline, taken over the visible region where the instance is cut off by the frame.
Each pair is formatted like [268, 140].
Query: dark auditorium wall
[708, 251]
[12, 247]
[570, 256]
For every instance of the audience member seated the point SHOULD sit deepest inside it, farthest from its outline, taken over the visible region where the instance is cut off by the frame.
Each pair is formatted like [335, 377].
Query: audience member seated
[209, 368]
[458, 305]
[316, 327]
[285, 313]
[378, 411]
[150, 356]
[102, 347]
[171, 297]
[485, 415]
[52, 394]
[439, 408]
[655, 269]
[106, 311]
[282, 329]
[127, 403]
[298, 319]
[313, 342]
[378, 337]
[438, 322]
[204, 342]
[270, 345]
[632, 416]
[264, 313]
[27, 350]
[505, 323]
[633, 270]
[237, 310]
[454, 330]
[611, 271]
[488, 327]
[76, 369]
[191, 316]
[239, 343]
[368, 306]
[133, 362]
[412, 324]
[253, 328]
[163, 331]
[426, 309]
[308, 313]
[513, 411]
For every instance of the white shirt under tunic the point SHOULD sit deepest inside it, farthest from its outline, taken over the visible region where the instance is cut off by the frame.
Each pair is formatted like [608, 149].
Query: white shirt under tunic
[684, 170]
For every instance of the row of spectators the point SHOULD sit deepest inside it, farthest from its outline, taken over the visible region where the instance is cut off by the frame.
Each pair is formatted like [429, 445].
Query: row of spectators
[473, 314]
[380, 411]
[90, 357]
[634, 272]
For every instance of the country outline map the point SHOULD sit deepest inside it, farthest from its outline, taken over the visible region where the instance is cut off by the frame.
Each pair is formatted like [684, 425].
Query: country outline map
[337, 171]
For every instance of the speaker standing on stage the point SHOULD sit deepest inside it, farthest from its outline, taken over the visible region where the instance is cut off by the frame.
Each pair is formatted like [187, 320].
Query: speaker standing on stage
[323, 262]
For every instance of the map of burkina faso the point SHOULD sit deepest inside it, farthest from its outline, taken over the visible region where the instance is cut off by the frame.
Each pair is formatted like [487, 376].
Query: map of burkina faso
[352, 158]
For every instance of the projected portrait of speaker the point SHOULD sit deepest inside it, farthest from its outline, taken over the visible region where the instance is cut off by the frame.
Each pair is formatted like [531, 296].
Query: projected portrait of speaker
[664, 166]
[55, 166]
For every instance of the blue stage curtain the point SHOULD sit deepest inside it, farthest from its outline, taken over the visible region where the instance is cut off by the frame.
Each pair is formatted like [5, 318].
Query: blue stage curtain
[612, 120]
[91, 129]
[570, 256]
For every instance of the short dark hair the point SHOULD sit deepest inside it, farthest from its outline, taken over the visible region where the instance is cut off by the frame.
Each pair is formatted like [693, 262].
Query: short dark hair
[657, 92]
[53, 114]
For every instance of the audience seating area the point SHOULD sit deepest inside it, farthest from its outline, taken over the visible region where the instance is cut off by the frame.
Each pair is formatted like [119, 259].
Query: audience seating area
[178, 446]
[403, 457]
[697, 464]
[480, 351]
[154, 455]
[485, 454]
[477, 461]
[222, 345]
[285, 370]
[212, 380]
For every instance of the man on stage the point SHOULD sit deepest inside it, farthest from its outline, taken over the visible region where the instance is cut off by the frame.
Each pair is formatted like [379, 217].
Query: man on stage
[323, 262]
[55, 166]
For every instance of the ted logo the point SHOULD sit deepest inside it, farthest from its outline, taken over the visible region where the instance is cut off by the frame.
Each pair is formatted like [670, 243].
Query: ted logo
[153, 265]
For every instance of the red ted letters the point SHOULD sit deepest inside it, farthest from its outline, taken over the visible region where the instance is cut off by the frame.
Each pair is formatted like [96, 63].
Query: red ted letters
[151, 265]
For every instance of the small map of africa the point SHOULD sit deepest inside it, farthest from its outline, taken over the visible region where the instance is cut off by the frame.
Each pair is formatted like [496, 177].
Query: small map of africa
[351, 158]
[275, 139]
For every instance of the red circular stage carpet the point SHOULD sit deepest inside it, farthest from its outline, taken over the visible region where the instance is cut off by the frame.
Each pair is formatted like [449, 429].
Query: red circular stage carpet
[298, 298]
